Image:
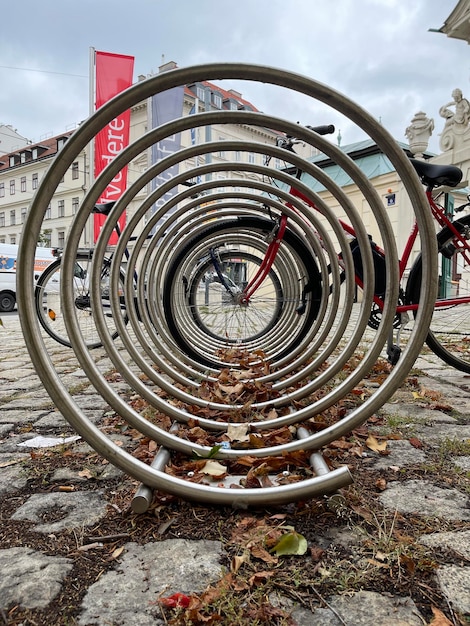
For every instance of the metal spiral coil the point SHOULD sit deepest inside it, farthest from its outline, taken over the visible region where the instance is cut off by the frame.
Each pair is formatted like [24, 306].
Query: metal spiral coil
[168, 346]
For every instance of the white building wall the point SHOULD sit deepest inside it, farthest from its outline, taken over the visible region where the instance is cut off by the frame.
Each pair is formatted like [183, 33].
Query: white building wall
[58, 220]
[10, 139]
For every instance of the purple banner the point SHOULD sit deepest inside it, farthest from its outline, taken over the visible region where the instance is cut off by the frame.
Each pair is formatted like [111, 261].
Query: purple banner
[166, 106]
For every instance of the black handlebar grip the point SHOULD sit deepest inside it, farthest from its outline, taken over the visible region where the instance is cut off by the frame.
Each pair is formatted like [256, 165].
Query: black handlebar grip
[328, 129]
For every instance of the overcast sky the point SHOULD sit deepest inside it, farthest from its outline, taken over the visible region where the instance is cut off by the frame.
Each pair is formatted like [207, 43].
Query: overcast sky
[379, 53]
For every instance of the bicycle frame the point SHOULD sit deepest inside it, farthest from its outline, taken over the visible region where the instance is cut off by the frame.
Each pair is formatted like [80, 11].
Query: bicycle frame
[438, 214]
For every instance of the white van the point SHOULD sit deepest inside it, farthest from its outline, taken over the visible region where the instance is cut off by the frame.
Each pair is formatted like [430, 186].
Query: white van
[8, 257]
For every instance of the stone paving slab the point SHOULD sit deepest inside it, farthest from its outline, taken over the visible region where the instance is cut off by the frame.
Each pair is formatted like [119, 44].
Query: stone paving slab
[366, 608]
[424, 498]
[401, 454]
[129, 593]
[13, 476]
[74, 510]
[455, 583]
[30, 578]
[459, 542]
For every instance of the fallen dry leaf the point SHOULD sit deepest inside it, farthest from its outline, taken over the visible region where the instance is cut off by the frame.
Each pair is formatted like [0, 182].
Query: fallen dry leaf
[381, 484]
[85, 473]
[439, 618]
[377, 446]
[238, 561]
[214, 468]
[238, 432]
[316, 553]
[261, 577]
[117, 553]
[260, 553]
[430, 393]
[409, 563]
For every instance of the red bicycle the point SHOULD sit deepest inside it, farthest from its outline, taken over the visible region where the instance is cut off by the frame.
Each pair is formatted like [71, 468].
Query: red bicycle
[240, 285]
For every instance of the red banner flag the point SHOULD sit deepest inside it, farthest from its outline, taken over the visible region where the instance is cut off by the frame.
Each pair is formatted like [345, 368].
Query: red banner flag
[113, 74]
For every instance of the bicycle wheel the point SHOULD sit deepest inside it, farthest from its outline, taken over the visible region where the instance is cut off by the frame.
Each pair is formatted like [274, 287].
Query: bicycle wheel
[219, 313]
[49, 307]
[203, 316]
[449, 332]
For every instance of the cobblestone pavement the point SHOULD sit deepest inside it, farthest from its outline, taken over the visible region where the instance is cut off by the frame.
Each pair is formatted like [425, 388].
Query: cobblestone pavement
[137, 574]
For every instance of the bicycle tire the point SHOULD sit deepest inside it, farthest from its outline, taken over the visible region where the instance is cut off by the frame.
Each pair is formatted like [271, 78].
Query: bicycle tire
[258, 225]
[449, 331]
[48, 302]
[232, 327]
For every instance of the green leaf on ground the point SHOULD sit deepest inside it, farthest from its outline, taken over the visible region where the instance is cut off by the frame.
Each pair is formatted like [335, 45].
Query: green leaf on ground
[290, 543]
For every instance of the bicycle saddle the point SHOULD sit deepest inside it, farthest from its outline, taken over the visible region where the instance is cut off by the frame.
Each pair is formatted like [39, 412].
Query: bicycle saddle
[435, 175]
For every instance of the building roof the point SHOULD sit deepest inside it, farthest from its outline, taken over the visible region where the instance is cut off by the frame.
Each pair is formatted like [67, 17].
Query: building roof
[367, 156]
[46, 148]
[226, 95]
[457, 25]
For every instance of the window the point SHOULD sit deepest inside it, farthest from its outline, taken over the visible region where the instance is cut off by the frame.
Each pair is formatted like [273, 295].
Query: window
[48, 214]
[2, 190]
[13, 218]
[200, 93]
[75, 202]
[61, 238]
[220, 176]
[35, 181]
[24, 212]
[61, 208]
[217, 100]
[12, 187]
[46, 238]
[23, 183]
[251, 157]
[13, 240]
[221, 152]
[75, 171]
[2, 219]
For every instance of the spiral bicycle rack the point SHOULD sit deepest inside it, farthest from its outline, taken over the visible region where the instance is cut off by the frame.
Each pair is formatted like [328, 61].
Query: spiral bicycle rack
[169, 349]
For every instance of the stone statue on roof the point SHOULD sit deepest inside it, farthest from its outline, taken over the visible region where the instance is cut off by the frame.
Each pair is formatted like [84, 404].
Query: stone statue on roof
[419, 132]
[457, 116]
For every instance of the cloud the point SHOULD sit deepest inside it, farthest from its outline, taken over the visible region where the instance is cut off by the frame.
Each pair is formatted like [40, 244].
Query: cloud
[379, 53]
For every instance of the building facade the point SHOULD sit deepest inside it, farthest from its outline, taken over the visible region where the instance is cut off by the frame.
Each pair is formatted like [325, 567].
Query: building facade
[22, 169]
[10, 139]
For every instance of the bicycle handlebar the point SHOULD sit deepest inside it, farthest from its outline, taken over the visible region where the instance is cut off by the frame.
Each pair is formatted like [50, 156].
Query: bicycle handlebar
[287, 142]
[327, 129]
